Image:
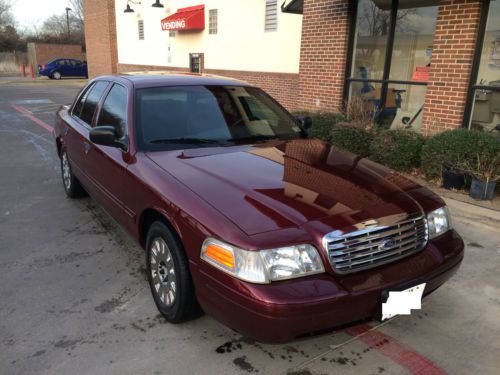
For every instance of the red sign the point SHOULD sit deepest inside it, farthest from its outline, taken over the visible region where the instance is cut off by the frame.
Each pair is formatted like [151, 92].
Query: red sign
[190, 18]
[421, 74]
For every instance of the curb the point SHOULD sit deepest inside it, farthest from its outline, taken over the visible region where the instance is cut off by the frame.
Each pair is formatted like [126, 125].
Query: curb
[44, 81]
[473, 215]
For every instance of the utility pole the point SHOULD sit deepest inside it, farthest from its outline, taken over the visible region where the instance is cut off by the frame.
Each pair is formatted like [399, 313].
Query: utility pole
[67, 20]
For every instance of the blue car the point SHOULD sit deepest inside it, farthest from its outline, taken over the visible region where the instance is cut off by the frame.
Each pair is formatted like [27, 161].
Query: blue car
[58, 68]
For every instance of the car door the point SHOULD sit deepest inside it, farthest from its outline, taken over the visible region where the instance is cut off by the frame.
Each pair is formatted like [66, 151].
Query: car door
[62, 67]
[73, 68]
[107, 166]
[76, 133]
[78, 70]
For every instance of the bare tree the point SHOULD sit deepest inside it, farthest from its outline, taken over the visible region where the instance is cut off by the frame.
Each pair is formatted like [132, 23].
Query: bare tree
[5, 15]
[77, 8]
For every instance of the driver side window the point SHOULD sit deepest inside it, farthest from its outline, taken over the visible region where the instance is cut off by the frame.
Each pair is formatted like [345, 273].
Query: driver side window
[114, 110]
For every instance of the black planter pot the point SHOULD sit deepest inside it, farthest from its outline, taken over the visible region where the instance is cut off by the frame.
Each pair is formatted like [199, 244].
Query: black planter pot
[481, 190]
[453, 180]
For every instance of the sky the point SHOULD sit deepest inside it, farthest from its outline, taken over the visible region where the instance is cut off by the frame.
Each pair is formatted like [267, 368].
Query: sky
[34, 12]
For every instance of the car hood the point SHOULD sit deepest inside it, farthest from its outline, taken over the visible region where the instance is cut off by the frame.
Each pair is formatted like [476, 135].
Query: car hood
[285, 184]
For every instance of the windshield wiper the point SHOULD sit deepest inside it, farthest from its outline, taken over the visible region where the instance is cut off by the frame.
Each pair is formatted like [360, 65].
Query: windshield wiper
[254, 138]
[185, 141]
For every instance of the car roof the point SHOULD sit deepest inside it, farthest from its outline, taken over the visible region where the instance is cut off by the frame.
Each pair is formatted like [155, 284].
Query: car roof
[158, 79]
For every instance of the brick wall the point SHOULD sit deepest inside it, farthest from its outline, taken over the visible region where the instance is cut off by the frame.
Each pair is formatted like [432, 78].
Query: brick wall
[452, 56]
[43, 53]
[100, 36]
[281, 86]
[323, 55]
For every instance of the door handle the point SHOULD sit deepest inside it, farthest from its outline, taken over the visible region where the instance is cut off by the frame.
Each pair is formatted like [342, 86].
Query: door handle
[86, 147]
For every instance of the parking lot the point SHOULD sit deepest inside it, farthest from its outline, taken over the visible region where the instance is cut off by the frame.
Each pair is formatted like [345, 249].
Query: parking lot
[74, 296]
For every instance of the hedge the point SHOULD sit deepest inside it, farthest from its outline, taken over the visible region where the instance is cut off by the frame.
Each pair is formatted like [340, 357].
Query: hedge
[352, 138]
[454, 148]
[397, 149]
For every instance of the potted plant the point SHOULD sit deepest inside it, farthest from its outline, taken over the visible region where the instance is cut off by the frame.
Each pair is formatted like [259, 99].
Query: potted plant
[453, 177]
[485, 171]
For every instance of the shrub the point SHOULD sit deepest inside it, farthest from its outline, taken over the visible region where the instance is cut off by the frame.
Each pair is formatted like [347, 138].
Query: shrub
[352, 138]
[397, 149]
[322, 123]
[453, 149]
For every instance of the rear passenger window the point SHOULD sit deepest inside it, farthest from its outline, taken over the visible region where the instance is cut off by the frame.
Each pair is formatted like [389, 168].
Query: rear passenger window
[114, 110]
[89, 102]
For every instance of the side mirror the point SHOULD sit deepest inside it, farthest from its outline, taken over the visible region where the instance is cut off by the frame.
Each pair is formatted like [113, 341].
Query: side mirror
[305, 121]
[106, 136]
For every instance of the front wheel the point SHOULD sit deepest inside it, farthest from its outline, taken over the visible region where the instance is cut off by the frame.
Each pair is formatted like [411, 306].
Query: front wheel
[56, 75]
[71, 185]
[169, 276]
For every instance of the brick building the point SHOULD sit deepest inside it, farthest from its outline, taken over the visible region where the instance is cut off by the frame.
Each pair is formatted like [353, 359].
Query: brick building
[42, 53]
[426, 64]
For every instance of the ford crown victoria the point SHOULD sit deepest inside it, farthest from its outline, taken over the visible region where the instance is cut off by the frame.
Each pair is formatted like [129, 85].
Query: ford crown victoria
[274, 234]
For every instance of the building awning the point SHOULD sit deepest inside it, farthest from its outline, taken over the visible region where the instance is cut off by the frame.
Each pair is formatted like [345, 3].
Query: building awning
[190, 18]
[293, 6]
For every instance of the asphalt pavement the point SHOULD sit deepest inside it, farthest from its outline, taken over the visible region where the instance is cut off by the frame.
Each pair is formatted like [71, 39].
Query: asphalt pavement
[74, 297]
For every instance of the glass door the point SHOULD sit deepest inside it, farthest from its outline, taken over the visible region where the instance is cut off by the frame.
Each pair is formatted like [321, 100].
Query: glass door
[485, 90]
[392, 45]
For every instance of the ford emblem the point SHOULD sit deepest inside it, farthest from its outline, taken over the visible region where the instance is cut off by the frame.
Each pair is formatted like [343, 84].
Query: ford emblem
[387, 244]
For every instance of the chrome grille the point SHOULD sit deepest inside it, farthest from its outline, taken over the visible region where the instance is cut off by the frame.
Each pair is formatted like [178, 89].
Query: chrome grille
[367, 248]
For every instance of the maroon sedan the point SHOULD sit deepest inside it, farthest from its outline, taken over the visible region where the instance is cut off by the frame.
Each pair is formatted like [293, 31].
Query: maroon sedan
[274, 234]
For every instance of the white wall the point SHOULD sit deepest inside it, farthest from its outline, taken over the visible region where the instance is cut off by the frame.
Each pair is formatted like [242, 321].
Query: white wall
[240, 44]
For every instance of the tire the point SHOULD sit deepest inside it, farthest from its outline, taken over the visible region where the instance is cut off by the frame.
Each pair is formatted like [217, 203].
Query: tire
[71, 185]
[56, 75]
[166, 262]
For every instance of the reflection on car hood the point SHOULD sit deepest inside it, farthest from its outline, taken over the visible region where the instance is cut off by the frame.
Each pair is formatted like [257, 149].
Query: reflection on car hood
[283, 184]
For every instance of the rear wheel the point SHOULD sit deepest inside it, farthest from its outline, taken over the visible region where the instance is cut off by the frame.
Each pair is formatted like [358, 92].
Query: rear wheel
[71, 185]
[56, 75]
[168, 275]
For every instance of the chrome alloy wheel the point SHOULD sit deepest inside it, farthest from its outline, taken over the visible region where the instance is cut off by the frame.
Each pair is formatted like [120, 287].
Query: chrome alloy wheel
[66, 172]
[163, 271]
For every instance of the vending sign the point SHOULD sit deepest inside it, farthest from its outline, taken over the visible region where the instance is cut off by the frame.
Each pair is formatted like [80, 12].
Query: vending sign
[190, 18]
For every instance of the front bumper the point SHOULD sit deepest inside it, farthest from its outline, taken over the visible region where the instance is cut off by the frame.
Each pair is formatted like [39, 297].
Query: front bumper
[284, 310]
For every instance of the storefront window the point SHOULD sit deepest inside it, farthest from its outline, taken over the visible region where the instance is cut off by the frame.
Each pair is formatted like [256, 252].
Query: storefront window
[486, 104]
[413, 41]
[372, 30]
[404, 106]
[393, 89]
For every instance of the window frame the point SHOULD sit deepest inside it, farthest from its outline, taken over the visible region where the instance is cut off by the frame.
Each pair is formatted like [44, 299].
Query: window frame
[101, 104]
[140, 29]
[87, 89]
[476, 64]
[213, 21]
[268, 4]
[385, 81]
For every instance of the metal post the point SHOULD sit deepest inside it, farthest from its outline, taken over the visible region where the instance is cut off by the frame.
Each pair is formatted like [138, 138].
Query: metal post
[23, 70]
[67, 20]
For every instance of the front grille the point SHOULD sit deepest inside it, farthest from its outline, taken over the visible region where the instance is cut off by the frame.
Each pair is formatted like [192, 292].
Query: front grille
[367, 248]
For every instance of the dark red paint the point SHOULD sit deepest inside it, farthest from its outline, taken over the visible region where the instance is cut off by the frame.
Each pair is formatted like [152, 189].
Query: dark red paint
[255, 197]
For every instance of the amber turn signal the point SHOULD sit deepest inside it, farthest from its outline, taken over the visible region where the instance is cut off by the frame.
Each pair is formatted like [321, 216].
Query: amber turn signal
[220, 255]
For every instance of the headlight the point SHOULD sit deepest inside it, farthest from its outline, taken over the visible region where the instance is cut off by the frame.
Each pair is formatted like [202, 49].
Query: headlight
[262, 266]
[438, 221]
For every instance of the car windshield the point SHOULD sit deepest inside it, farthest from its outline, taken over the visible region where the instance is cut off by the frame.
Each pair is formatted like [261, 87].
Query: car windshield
[178, 117]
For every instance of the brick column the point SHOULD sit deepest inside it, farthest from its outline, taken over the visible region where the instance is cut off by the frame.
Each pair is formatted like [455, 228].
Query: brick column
[100, 36]
[323, 54]
[452, 57]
